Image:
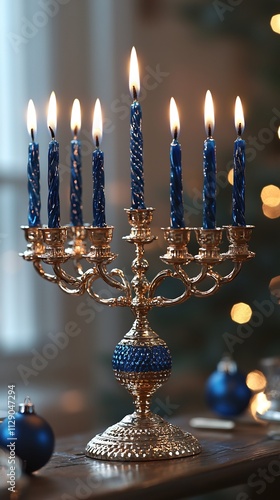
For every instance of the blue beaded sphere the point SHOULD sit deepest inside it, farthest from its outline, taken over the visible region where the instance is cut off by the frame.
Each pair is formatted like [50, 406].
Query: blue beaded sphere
[226, 391]
[29, 436]
[128, 358]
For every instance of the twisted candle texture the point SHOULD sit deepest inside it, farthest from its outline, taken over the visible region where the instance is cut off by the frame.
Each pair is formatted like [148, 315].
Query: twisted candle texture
[136, 157]
[209, 184]
[176, 188]
[53, 181]
[33, 175]
[76, 212]
[238, 192]
[98, 188]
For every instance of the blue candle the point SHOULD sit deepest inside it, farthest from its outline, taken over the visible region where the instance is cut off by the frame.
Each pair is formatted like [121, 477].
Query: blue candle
[33, 170]
[209, 167]
[238, 192]
[136, 138]
[176, 187]
[76, 211]
[99, 219]
[53, 174]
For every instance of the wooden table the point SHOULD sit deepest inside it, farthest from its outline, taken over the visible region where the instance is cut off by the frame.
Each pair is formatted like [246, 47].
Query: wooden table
[228, 458]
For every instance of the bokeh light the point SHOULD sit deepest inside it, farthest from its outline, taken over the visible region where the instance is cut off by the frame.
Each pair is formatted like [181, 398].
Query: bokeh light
[270, 195]
[256, 381]
[241, 313]
[275, 23]
[230, 176]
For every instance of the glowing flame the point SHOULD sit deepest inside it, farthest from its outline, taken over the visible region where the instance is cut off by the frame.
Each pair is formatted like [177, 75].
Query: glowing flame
[239, 116]
[31, 118]
[134, 79]
[174, 118]
[97, 127]
[209, 118]
[76, 117]
[52, 119]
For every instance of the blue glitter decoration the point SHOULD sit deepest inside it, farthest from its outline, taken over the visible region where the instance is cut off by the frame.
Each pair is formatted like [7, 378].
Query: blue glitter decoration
[209, 184]
[176, 187]
[99, 219]
[238, 192]
[128, 358]
[136, 157]
[76, 212]
[53, 182]
[33, 175]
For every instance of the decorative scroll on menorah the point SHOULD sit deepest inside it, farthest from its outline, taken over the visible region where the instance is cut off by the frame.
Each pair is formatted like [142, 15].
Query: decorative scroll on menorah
[141, 360]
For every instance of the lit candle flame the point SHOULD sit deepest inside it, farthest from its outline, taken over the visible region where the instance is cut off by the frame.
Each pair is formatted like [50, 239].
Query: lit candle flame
[52, 119]
[31, 119]
[134, 79]
[279, 132]
[174, 119]
[209, 118]
[76, 117]
[97, 127]
[239, 116]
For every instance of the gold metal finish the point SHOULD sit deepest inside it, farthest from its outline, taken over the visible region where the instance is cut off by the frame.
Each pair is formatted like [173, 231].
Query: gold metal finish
[142, 360]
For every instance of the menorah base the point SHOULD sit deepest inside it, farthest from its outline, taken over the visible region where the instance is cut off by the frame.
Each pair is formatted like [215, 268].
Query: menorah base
[137, 438]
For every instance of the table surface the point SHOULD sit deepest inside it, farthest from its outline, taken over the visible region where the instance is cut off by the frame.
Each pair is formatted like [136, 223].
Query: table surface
[227, 459]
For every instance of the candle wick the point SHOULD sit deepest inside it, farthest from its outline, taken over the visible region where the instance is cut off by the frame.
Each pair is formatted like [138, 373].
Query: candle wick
[32, 135]
[209, 131]
[239, 130]
[75, 132]
[134, 93]
[97, 142]
[52, 133]
[175, 133]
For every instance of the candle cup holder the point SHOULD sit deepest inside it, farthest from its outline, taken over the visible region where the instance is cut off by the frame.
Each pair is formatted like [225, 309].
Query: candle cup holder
[100, 239]
[209, 241]
[140, 221]
[239, 237]
[77, 236]
[141, 360]
[35, 244]
[177, 249]
[54, 240]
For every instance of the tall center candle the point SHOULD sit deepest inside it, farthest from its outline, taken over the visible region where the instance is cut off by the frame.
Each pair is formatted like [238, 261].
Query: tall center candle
[99, 219]
[238, 191]
[33, 170]
[209, 167]
[136, 138]
[53, 173]
[76, 210]
[176, 187]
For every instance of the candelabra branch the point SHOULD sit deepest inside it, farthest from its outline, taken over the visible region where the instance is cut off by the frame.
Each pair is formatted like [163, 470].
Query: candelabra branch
[41, 271]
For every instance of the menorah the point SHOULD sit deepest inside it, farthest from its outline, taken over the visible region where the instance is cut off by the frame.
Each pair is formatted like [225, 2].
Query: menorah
[141, 360]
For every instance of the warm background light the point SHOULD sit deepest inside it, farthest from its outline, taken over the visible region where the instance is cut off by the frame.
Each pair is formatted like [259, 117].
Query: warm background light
[271, 212]
[270, 195]
[275, 23]
[230, 176]
[241, 313]
[256, 381]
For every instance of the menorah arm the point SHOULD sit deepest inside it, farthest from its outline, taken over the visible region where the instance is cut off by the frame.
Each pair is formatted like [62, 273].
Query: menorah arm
[159, 300]
[41, 271]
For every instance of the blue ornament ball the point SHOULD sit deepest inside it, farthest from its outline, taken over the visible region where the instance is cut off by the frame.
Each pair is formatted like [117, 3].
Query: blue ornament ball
[29, 436]
[226, 391]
